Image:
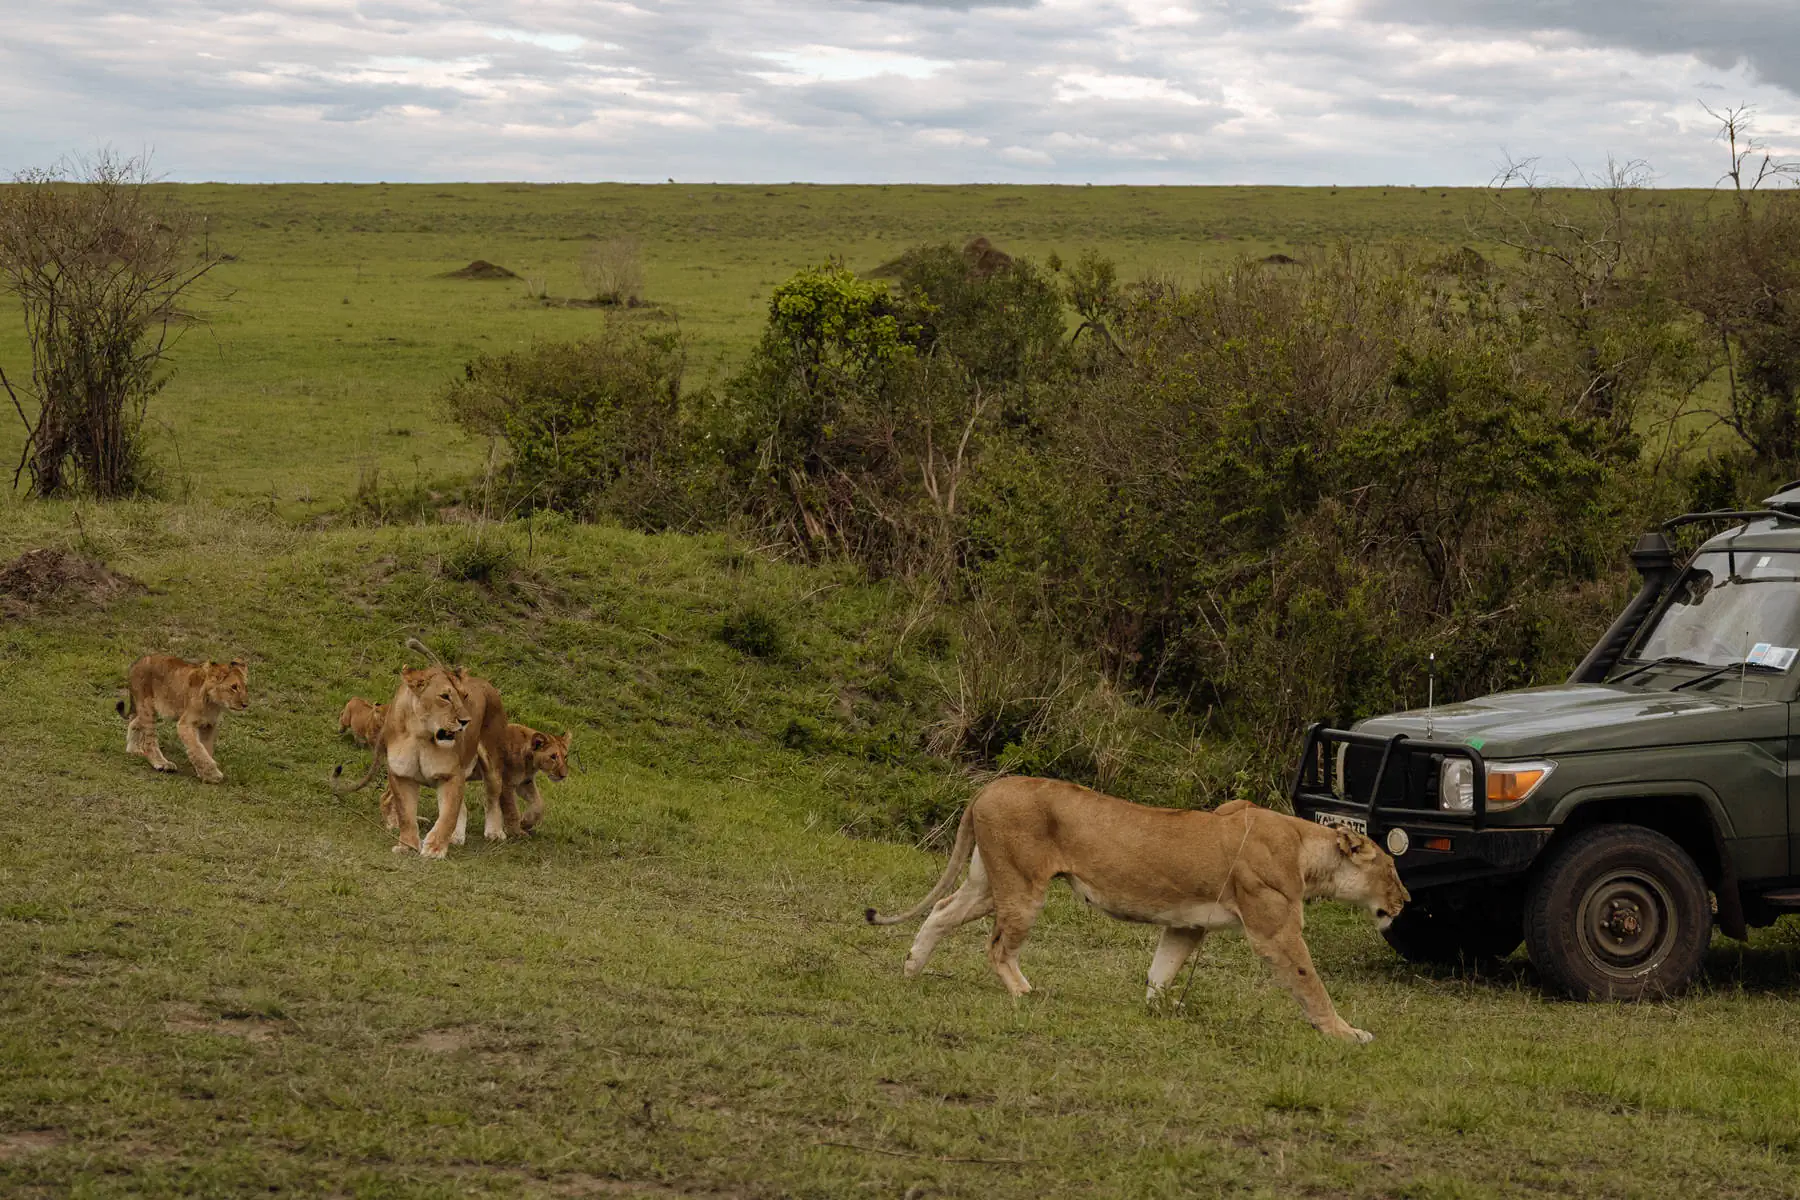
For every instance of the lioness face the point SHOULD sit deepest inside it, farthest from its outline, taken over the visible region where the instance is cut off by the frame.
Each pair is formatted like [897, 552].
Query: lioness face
[228, 684]
[442, 707]
[1366, 876]
[550, 755]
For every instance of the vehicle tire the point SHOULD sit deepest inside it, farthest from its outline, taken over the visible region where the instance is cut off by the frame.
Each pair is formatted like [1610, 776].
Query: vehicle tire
[1467, 927]
[1618, 912]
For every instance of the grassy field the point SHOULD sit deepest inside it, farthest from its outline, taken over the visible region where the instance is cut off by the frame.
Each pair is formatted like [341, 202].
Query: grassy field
[331, 329]
[668, 990]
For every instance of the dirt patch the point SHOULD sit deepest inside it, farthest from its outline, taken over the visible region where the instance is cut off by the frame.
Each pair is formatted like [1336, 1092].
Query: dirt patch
[443, 1041]
[481, 268]
[30, 1141]
[1280, 260]
[188, 1019]
[51, 578]
[577, 1184]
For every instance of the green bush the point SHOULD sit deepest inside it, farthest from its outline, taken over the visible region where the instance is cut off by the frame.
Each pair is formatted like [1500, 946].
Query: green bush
[592, 426]
[1296, 486]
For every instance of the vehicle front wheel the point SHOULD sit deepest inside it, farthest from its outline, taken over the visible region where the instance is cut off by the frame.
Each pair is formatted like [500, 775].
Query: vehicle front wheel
[1618, 912]
[1474, 928]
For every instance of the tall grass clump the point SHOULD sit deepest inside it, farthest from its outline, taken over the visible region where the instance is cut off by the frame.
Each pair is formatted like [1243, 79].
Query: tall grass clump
[612, 271]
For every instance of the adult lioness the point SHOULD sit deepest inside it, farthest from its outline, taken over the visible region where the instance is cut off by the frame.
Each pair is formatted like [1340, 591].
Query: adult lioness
[362, 719]
[195, 694]
[523, 754]
[438, 724]
[1189, 872]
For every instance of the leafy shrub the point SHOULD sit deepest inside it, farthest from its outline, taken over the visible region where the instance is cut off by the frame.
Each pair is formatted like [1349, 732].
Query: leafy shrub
[593, 426]
[1294, 487]
[863, 413]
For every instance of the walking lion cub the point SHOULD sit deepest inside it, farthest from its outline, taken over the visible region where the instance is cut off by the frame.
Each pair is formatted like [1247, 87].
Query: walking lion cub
[195, 694]
[1189, 872]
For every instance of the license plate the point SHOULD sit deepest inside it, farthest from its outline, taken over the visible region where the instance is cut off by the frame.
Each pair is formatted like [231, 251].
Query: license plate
[1341, 821]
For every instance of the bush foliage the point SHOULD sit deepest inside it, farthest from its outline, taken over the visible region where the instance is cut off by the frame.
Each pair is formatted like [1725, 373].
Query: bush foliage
[1228, 507]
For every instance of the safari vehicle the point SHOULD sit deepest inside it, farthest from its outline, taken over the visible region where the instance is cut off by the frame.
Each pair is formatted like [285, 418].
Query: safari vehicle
[1612, 821]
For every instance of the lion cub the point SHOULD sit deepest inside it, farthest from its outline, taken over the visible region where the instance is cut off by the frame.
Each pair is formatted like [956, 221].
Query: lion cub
[195, 694]
[362, 719]
[523, 753]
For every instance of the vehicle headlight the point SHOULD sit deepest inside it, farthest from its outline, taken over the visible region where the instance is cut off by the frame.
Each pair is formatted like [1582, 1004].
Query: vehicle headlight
[1509, 784]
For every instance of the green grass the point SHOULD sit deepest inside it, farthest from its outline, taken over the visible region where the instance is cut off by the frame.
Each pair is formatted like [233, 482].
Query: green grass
[331, 330]
[669, 990]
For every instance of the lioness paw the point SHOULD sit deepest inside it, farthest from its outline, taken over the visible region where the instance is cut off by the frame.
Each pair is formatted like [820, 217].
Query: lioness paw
[430, 851]
[1350, 1033]
[496, 834]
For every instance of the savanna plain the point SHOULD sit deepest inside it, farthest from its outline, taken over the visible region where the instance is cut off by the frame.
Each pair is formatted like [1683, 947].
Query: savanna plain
[668, 988]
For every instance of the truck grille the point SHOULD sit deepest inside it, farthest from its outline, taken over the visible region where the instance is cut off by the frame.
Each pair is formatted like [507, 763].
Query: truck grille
[1411, 780]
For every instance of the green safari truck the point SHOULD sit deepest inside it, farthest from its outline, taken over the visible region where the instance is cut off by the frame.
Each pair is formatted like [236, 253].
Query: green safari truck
[1610, 822]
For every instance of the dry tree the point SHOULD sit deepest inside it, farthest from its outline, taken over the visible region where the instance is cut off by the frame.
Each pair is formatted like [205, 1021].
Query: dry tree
[100, 262]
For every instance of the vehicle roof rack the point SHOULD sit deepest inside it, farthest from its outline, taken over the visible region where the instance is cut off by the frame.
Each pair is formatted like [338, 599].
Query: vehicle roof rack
[1734, 514]
[1784, 505]
[1787, 500]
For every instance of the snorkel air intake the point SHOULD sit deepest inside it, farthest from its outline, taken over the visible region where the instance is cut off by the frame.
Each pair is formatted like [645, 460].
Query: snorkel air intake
[1655, 561]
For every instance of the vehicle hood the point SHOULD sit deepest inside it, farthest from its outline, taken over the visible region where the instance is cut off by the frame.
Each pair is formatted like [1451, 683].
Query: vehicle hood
[1572, 718]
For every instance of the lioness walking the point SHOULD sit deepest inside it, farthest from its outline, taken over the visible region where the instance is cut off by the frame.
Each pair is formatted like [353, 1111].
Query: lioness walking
[195, 694]
[1189, 872]
[439, 724]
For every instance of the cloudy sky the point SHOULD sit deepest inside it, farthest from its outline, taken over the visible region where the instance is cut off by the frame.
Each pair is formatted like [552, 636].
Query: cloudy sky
[1102, 91]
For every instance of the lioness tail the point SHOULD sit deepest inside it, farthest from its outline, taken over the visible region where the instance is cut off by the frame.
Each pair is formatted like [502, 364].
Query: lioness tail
[959, 857]
[413, 643]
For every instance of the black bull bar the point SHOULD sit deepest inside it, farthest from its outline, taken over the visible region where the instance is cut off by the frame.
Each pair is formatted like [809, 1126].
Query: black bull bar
[1319, 760]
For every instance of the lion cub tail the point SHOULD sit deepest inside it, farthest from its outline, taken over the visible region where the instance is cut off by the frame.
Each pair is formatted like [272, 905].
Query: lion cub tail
[959, 858]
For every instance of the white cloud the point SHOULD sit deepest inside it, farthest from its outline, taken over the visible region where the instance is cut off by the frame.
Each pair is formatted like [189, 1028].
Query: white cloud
[837, 63]
[565, 43]
[1164, 91]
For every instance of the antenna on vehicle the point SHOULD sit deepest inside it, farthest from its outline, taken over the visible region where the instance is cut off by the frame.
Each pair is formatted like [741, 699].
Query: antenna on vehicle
[1430, 691]
[1743, 668]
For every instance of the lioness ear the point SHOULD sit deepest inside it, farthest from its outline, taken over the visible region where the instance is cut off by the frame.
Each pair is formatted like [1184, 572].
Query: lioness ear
[238, 663]
[539, 741]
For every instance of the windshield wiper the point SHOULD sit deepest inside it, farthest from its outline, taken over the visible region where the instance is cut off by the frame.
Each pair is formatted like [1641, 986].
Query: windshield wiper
[1718, 671]
[1667, 660]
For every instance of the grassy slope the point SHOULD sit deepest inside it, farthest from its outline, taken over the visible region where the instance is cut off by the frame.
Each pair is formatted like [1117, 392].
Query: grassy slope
[334, 330]
[220, 990]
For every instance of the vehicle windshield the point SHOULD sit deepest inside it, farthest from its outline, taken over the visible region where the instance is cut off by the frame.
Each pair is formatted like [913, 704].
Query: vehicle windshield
[1730, 607]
